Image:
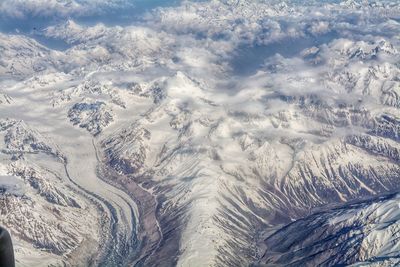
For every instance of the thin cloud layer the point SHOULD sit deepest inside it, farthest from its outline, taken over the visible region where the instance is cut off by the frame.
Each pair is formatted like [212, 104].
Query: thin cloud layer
[56, 8]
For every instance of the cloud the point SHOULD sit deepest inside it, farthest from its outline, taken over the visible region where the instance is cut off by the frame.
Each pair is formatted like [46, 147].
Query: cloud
[56, 8]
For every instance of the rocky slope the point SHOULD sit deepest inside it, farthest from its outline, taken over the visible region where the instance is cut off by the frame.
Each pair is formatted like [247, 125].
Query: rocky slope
[365, 233]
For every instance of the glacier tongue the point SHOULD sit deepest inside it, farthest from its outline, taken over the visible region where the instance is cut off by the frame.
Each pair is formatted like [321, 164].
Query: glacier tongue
[58, 163]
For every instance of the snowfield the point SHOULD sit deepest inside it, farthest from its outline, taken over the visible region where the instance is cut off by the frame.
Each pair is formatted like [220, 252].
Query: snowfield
[200, 133]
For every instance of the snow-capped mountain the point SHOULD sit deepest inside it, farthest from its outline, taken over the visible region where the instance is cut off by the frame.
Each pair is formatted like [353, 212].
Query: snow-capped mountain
[365, 232]
[209, 133]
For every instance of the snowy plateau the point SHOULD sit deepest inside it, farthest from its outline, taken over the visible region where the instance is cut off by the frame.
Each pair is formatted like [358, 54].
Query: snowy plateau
[200, 133]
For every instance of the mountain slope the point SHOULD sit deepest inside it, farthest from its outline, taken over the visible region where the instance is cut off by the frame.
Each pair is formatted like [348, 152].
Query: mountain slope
[365, 233]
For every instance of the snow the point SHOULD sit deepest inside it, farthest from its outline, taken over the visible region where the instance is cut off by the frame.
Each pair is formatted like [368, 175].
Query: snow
[150, 129]
[371, 228]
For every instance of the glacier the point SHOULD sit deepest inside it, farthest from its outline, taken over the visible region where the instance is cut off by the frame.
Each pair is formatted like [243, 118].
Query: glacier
[200, 133]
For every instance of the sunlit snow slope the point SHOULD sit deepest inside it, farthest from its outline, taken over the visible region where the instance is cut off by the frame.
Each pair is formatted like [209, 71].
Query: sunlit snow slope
[200, 133]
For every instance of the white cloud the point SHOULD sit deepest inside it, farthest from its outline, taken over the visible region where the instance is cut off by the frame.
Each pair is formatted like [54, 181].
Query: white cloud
[56, 8]
[319, 27]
